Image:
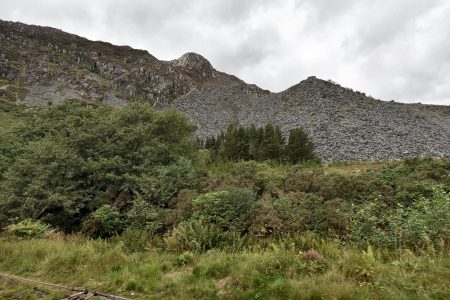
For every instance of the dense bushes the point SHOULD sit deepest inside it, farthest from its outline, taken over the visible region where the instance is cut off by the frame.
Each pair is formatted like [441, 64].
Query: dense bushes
[29, 229]
[69, 160]
[402, 226]
[391, 205]
[137, 172]
[226, 209]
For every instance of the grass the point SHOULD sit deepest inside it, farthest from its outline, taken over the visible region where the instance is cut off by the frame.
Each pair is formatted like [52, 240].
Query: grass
[10, 113]
[278, 271]
[344, 168]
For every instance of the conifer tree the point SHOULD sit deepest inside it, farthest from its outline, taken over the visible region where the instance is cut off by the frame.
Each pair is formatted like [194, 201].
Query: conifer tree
[300, 147]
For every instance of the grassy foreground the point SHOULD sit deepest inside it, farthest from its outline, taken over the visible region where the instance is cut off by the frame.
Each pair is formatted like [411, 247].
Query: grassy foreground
[278, 270]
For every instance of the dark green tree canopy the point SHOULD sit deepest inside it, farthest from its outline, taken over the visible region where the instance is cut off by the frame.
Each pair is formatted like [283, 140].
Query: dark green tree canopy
[262, 143]
[299, 147]
[70, 159]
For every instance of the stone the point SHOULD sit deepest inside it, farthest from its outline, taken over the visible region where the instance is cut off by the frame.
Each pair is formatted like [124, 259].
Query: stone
[346, 125]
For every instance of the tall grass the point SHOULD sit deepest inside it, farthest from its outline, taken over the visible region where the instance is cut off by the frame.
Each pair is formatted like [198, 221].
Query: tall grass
[273, 270]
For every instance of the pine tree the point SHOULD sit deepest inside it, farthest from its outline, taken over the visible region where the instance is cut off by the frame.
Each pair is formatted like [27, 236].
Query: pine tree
[272, 143]
[230, 143]
[300, 147]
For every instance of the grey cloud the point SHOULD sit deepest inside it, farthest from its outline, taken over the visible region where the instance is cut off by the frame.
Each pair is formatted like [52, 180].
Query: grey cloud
[252, 48]
[325, 10]
[380, 24]
[390, 49]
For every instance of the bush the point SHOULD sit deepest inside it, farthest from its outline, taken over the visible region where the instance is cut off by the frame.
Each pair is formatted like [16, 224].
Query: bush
[105, 222]
[29, 229]
[264, 219]
[193, 236]
[198, 237]
[226, 209]
[403, 226]
[143, 216]
[69, 159]
[184, 259]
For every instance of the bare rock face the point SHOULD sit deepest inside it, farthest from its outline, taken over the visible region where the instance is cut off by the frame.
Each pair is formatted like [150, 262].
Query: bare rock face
[196, 64]
[41, 66]
[345, 125]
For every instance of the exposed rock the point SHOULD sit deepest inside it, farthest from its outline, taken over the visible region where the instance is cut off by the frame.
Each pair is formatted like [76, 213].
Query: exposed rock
[112, 100]
[344, 124]
[42, 65]
[196, 64]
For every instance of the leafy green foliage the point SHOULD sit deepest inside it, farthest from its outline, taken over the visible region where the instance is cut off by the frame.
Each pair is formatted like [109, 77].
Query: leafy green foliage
[404, 226]
[29, 229]
[69, 160]
[184, 258]
[137, 172]
[227, 209]
[197, 236]
[104, 222]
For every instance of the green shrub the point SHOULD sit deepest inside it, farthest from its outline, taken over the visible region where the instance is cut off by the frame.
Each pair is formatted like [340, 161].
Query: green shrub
[144, 216]
[360, 266]
[104, 222]
[264, 219]
[29, 229]
[403, 226]
[184, 259]
[197, 236]
[226, 209]
[68, 160]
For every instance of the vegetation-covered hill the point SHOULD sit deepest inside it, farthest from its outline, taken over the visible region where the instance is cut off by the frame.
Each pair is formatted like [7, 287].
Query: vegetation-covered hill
[129, 201]
[123, 201]
[41, 65]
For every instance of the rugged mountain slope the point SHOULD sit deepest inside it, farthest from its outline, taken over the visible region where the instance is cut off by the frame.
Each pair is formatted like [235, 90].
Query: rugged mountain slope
[47, 64]
[40, 65]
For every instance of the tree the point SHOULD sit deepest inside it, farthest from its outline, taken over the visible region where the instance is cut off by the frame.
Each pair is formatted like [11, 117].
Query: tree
[69, 160]
[272, 143]
[300, 147]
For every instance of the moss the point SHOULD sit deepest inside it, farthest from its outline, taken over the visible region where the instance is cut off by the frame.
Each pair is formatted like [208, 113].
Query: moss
[4, 82]
[81, 73]
[350, 109]
[44, 49]
[20, 91]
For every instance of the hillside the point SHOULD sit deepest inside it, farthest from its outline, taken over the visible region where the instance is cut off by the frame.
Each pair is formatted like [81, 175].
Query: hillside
[41, 65]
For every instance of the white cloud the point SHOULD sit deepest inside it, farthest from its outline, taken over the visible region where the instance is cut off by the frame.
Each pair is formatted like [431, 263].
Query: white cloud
[389, 49]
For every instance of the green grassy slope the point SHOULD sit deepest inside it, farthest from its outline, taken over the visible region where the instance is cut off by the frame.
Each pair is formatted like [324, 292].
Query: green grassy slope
[277, 270]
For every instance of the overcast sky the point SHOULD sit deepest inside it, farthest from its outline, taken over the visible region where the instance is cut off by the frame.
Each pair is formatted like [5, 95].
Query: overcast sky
[389, 49]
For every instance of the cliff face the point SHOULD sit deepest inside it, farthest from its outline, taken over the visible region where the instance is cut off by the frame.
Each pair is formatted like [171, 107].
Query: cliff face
[51, 65]
[40, 65]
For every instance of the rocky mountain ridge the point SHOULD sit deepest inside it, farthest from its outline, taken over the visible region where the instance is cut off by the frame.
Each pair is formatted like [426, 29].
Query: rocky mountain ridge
[41, 65]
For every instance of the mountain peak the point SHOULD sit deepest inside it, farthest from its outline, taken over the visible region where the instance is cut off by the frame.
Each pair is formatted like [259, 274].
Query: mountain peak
[191, 59]
[196, 63]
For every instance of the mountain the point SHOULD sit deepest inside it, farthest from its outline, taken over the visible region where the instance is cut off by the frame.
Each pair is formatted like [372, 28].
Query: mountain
[42, 65]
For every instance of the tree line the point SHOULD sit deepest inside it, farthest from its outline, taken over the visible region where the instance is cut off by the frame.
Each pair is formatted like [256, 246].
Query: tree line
[260, 144]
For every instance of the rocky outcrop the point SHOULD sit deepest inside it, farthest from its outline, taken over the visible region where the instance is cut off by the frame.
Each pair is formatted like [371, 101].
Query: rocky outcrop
[40, 65]
[344, 124]
[196, 65]
[40, 56]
